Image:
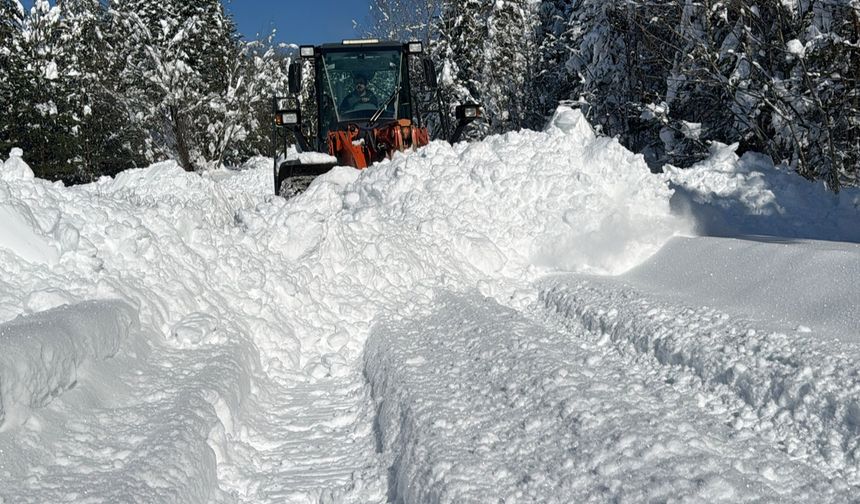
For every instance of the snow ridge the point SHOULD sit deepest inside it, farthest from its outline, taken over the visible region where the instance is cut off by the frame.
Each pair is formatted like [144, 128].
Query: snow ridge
[796, 391]
[728, 195]
[481, 403]
[43, 354]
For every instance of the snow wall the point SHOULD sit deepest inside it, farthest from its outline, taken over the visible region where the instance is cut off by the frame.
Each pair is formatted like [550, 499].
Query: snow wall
[43, 354]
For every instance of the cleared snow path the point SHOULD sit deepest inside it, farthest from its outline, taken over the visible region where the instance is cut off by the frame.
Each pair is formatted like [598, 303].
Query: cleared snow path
[478, 403]
[307, 442]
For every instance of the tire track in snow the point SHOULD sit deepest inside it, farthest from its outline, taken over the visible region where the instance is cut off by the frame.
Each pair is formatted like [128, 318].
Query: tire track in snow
[307, 442]
[794, 391]
[481, 403]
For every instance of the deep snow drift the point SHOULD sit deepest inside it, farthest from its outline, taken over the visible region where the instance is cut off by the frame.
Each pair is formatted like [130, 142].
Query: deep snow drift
[230, 346]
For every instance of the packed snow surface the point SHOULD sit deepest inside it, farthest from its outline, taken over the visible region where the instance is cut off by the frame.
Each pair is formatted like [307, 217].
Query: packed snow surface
[518, 319]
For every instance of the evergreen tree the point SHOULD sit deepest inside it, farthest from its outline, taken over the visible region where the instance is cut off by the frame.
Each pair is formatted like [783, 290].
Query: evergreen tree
[670, 77]
[181, 67]
[553, 80]
[36, 122]
[104, 139]
[12, 77]
[485, 49]
[403, 20]
[459, 50]
[510, 63]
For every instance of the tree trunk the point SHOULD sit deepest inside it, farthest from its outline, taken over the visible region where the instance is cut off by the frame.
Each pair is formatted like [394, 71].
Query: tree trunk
[180, 133]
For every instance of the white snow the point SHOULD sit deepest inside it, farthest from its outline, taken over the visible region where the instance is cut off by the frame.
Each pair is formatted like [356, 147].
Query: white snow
[796, 48]
[776, 281]
[691, 130]
[15, 167]
[309, 157]
[523, 318]
[728, 196]
[50, 72]
[44, 354]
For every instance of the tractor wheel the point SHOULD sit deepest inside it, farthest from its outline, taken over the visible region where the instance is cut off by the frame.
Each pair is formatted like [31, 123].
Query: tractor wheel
[293, 186]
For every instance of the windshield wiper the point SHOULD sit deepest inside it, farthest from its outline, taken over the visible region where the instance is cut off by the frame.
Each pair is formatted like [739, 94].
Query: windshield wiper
[376, 115]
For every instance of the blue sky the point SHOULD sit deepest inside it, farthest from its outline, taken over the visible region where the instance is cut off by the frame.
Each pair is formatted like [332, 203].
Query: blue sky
[296, 21]
[299, 21]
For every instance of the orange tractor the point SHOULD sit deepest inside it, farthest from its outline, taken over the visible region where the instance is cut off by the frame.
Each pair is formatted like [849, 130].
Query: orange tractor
[367, 99]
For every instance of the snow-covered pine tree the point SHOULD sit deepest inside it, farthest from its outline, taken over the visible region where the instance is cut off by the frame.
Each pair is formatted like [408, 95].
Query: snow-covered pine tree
[459, 53]
[671, 92]
[816, 107]
[599, 59]
[402, 20]
[511, 58]
[103, 139]
[257, 73]
[265, 71]
[181, 59]
[553, 80]
[487, 50]
[12, 78]
[775, 77]
[36, 122]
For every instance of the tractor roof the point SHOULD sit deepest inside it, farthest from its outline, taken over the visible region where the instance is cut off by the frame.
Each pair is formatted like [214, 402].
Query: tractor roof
[362, 44]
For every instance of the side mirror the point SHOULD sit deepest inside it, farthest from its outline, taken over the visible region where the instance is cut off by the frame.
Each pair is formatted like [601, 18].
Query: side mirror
[429, 73]
[295, 77]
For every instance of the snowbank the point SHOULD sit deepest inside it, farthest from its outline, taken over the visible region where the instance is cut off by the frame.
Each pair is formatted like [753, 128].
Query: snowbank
[730, 196]
[44, 354]
[507, 207]
[21, 233]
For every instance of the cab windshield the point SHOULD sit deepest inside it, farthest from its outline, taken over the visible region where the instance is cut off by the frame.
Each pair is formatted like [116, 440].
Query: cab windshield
[356, 84]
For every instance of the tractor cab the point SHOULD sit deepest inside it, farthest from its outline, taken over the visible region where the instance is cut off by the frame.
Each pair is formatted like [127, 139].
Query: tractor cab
[362, 83]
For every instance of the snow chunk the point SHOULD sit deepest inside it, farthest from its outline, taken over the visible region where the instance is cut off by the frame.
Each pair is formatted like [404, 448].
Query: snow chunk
[15, 168]
[571, 122]
[20, 234]
[43, 354]
[50, 71]
[145, 180]
[309, 157]
[691, 130]
[796, 48]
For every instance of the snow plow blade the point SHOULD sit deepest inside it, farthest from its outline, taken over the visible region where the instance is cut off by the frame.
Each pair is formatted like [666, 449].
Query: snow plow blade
[294, 177]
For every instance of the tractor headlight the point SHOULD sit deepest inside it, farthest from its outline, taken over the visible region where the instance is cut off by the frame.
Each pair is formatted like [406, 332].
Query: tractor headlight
[414, 48]
[287, 118]
[306, 51]
[360, 41]
[468, 111]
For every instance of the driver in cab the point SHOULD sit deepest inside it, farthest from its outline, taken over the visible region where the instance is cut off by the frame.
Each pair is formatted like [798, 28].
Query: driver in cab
[359, 95]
